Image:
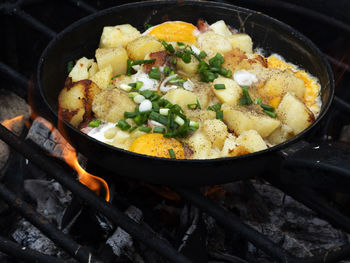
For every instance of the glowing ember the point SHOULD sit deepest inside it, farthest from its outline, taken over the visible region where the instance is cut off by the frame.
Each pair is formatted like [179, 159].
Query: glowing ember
[9, 124]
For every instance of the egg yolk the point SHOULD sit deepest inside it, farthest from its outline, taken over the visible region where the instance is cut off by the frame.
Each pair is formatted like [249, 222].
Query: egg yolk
[175, 31]
[156, 144]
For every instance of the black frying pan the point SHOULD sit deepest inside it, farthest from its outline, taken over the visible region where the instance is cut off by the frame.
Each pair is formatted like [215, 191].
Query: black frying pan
[82, 38]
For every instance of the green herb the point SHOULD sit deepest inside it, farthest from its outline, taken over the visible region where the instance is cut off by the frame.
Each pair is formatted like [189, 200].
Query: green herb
[220, 115]
[155, 96]
[173, 60]
[130, 114]
[95, 123]
[141, 118]
[147, 26]
[181, 45]
[132, 129]
[202, 54]
[70, 66]
[139, 84]
[116, 76]
[245, 100]
[271, 114]
[128, 67]
[258, 101]
[219, 86]
[194, 106]
[110, 86]
[158, 130]
[154, 73]
[172, 154]
[155, 106]
[267, 107]
[217, 61]
[159, 118]
[143, 61]
[176, 80]
[168, 47]
[146, 93]
[123, 125]
[167, 71]
[194, 125]
[145, 129]
[215, 107]
[185, 56]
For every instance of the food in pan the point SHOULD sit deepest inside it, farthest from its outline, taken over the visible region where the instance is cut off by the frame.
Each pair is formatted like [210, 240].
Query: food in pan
[188, 92]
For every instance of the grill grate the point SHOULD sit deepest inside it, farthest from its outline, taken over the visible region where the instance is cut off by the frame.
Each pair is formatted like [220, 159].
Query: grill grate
[227, 219]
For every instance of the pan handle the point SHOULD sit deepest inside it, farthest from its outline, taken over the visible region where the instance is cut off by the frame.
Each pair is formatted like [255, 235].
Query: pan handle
[321, 165]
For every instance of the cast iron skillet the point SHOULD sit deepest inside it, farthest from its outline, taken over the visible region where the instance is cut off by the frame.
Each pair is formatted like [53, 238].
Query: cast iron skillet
[82, 38]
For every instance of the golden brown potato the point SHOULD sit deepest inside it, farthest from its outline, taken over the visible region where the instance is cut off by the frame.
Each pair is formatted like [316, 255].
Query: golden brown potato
[188, 68]
[241, 41]
[240, 119]
[281, 134]
[110, 105]
[252, 141]
[75, 100]
[216, 131]
[83, 69]
[213, 43]
[232, 92]
[220, 27]
[140, 47]
[121, 35]
[114, 57]
[199, 144]
[181, 97]
[200, 115]
[103, 77]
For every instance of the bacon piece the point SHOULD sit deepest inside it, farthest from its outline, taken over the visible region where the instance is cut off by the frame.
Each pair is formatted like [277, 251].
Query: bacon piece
[161, 58]
[202, 25]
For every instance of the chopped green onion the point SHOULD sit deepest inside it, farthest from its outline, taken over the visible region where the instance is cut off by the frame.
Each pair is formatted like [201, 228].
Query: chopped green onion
[133, 94]
[217, 61]
[139, 84]
[95, 123]
[194, 124]
[173, 60]
[219, 86]
[172, 154]
[168, 47]
[70, 66]
[133, 85]
[179, 120]
[164, 111]
[154, 96]
[220, 115]
[267, 107]
[176, 80]
[154, 73]
[181, 45]
[245, 100]
[145, 129]
[132, 129]
[186, 57]
[142, 61]
[202, 54]
[139, 98]
[110, 86]
[125, 87]
[116, 76]
[167, 71]
[215, 107]
[130, 114]
[155, 105]
[140, 119]
[146, 93]
[128, 67]
[194, 106]
[158, 130]
[147, 26]
[123, 125]
[271, 114]
[258, 101]
[159, 118]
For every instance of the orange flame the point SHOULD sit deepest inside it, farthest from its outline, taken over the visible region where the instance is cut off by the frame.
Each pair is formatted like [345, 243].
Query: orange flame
[11, 122]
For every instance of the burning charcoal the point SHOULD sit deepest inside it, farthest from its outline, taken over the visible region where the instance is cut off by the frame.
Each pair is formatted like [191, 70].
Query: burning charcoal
[121, 241]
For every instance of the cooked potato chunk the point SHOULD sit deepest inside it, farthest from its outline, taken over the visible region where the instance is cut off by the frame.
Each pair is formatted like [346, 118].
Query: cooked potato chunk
[189, 68]
[280, 83]
[241, 41]
[116, 57]
[216, 131]
[75, 101]
[294, 113]
[200, 115]
[231, 148]
[110, 105]
[232, 92]
[252, 141]
[240, 119]
[221, 28]
[140, 47]
[103, 76]
[181, 97]
[281, 134]
[81, 70]
[113, 36]
[213, 43]
[200, 145]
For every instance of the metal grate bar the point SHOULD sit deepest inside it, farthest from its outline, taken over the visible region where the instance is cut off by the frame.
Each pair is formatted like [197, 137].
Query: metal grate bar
[144, 235]
[82, 254]
[81, 4]
[17, 77]
[28, 255]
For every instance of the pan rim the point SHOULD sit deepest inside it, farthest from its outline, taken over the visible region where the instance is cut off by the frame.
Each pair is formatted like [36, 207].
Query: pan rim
[207, 4]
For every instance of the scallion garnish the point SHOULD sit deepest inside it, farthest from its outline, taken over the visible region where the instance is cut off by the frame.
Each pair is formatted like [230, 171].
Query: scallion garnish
[154, 73]
[181, 45]
[143, 61]
[219, 86]
[158, 130]
[70, 66]
[95, 123]
[215, 107]
[145, 129]
[130, 114]
[194, 106]
[159, 118]
[155, 105]
[123, 125]
[164, 111]
[176, 80]
[173, 60]
[147, 26]
[245, 100]
[267, 107]
[194, 125]
[146, 93]
[168, 47]
[116, 76]
[139, 84]
[172, 154]
[220, 115]
[132, 129]
[202, 54]
[167, 71]
[110, 86]
[271, 114]
[128, 67]
[257, 101]
[179, 120]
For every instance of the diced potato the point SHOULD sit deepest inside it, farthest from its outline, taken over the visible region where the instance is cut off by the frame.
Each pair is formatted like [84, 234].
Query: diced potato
[103, 77]
[200, 115]
[241, 41]
[93, 69]
[231, 148]
[113, 36]
[240, 119]
[200, 145]
[81, 69]
[280, 83]
[75, 101]
[204, 94]
[116, 57]
[110, 105]
[234, 59]
[294, 113]
[181, 97]
[140, 47]
[216, 131]
[213, 43]
[232, 92]
[281, 134]
[221, 28]
[251, 140]
[189, 68]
